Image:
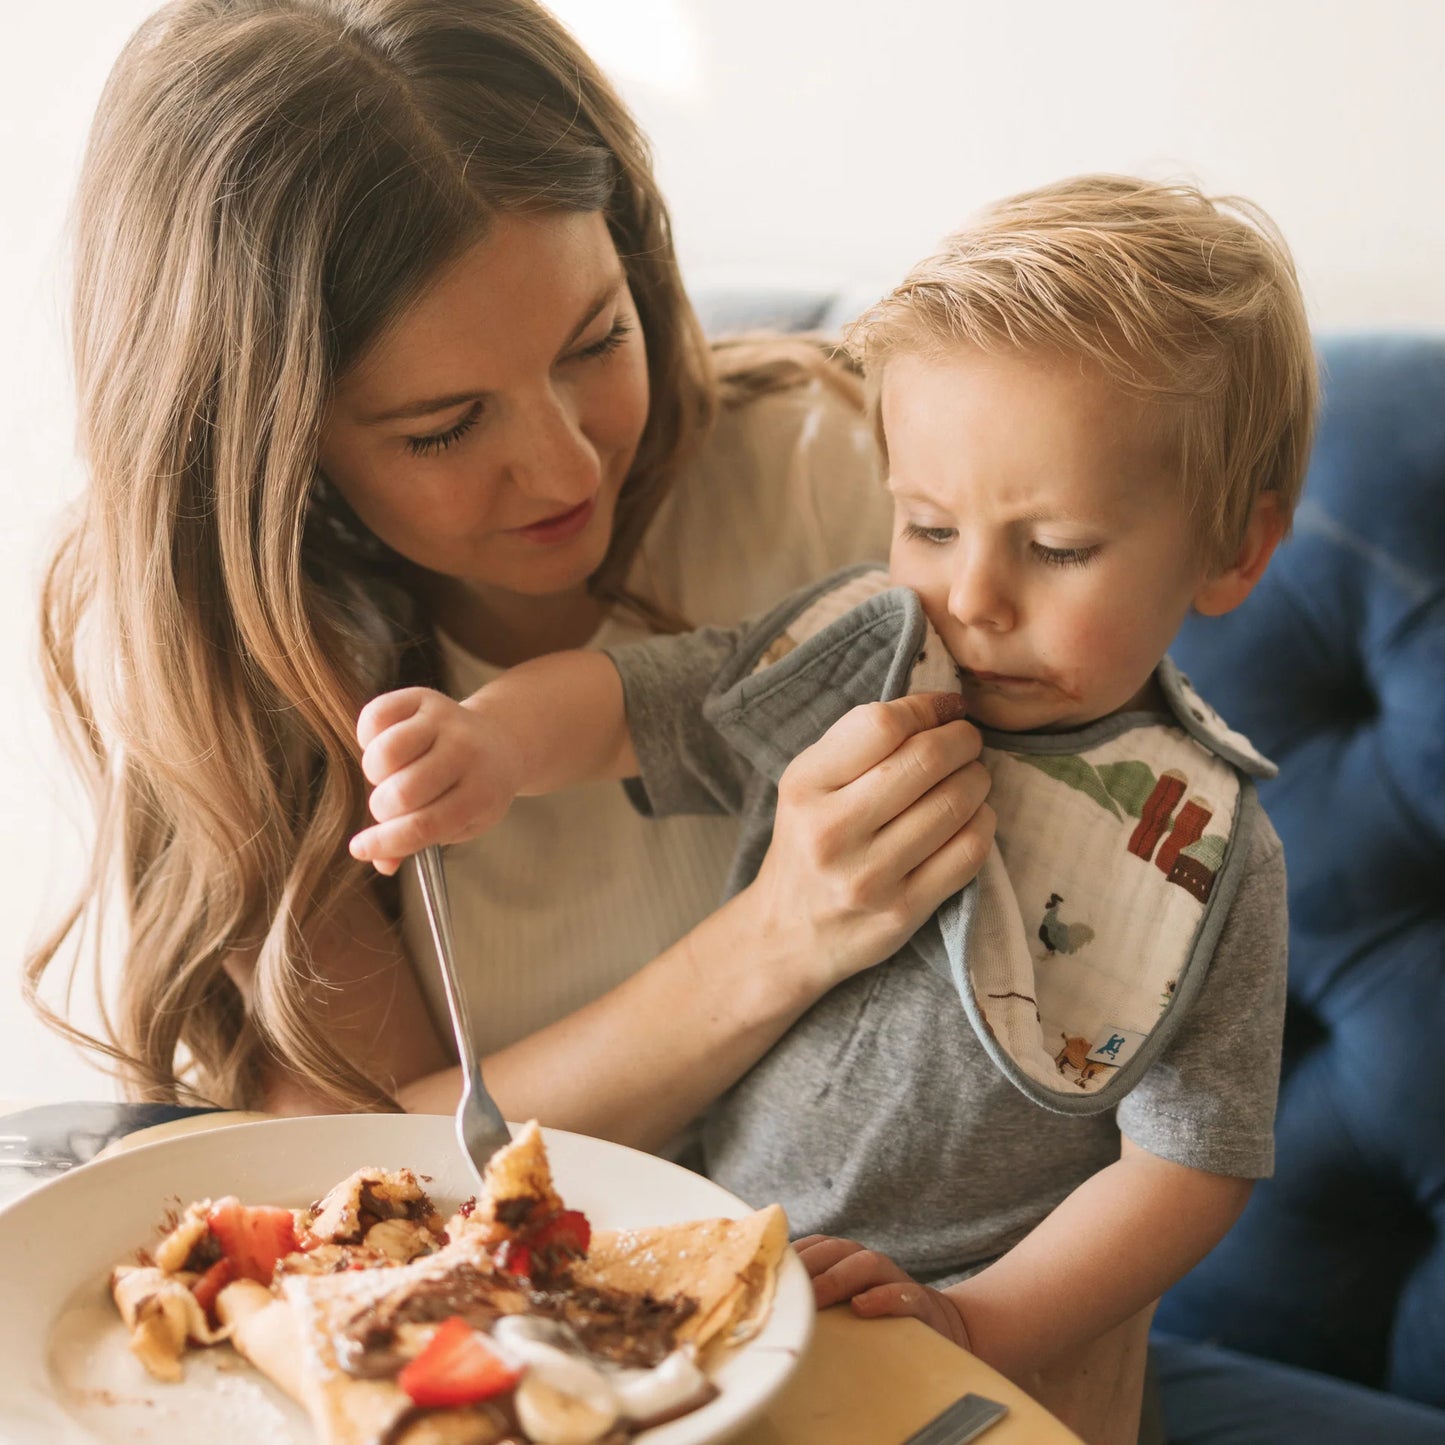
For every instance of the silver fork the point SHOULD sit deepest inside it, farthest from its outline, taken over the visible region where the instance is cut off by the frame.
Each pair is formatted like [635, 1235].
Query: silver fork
[963, 1420]
[480, 1126]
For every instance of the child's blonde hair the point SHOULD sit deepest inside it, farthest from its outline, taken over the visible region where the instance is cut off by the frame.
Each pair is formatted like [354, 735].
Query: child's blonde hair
[1188, 299]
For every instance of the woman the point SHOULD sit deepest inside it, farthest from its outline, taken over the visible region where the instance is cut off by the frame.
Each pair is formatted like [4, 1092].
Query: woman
[386, 374]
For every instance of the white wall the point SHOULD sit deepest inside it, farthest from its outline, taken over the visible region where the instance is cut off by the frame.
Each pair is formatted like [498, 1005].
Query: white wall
[800, 140]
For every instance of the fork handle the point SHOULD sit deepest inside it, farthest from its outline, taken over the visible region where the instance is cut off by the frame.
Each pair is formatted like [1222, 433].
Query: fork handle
[433, 880]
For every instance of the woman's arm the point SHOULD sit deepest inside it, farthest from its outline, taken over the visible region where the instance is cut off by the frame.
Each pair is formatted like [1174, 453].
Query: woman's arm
[877, 823]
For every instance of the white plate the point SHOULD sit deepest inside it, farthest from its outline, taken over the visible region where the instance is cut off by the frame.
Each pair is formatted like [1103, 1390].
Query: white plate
[66, 1374]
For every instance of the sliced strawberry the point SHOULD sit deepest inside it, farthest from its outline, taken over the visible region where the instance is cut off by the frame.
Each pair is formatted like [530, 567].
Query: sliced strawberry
[515, 1258]
[211, 1284]
[567, 1232]
[253, 1237]
[456, 1368]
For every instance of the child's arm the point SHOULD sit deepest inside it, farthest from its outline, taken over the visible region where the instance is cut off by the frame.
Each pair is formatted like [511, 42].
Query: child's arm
[1111, 1248]
[444, 771]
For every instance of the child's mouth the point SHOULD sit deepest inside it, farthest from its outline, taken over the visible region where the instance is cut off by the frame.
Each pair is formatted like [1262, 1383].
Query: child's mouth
[996, 679]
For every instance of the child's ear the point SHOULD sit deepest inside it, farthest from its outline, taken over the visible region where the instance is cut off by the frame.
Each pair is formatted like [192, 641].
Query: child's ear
[1225, 590]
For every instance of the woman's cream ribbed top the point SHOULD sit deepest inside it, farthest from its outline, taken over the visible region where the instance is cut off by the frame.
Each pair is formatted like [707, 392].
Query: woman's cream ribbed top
[574, 892]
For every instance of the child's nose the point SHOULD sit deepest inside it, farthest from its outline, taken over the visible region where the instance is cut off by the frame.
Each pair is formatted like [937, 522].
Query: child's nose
[980, 595]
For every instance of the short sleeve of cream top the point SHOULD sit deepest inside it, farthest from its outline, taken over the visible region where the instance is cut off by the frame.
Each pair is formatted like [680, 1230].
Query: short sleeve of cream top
[575, 892]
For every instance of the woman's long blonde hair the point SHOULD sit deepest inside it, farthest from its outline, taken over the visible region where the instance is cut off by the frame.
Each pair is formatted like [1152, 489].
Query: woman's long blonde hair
[268, 183]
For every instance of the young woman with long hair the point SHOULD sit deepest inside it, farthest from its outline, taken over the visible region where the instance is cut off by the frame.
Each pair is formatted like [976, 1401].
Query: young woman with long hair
[386, 374]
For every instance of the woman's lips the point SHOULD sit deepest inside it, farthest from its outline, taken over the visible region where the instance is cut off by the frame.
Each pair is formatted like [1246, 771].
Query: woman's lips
[560, 528]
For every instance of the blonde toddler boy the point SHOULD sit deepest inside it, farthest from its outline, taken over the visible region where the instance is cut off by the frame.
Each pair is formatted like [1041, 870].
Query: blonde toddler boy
[1096, 404]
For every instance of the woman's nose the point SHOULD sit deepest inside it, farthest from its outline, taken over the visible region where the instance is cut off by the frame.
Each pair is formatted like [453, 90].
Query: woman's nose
[551, 456]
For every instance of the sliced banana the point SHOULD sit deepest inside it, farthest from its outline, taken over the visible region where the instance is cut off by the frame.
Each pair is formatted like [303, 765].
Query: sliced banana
[563, 1399]
[553, 1416]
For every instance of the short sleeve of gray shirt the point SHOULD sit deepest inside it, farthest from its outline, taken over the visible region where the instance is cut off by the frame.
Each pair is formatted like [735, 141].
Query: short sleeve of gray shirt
[685, 765]
[1209, 1101]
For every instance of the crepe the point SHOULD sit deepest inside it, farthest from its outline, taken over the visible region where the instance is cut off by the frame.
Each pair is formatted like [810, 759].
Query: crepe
[729, 1266]
[343, 1317]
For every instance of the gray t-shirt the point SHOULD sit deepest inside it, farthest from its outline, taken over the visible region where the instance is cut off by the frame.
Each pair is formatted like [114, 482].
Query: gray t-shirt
[879, 1115]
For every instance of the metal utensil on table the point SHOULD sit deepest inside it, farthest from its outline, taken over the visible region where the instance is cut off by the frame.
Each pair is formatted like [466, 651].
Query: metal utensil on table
[480, 1126]
[963, 1420]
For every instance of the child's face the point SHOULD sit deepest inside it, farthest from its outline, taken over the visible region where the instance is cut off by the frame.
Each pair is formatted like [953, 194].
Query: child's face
[1037, 515]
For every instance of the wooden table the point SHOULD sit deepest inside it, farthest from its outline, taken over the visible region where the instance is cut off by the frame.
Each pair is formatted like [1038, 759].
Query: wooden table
[874, 1382]
[862, 1382]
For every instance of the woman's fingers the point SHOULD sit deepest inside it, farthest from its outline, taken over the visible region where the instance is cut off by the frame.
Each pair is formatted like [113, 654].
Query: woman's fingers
[912, 770]
[866, 735]
[951, 866]
[921, 828]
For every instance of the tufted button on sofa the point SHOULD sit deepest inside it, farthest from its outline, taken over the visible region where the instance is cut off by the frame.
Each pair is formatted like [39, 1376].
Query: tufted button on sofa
[1335, 668]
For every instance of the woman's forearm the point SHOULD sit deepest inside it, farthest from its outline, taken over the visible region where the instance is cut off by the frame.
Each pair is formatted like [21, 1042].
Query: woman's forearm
[642, 1061]
[1113, 1246]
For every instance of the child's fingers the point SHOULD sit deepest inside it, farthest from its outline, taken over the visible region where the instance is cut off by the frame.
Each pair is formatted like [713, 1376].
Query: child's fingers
[387, 843]
[400, 745]
[896, 1299]
[852, 1273]
[388, 710]
[421, 784]
[820, 1252]
[908, 1299]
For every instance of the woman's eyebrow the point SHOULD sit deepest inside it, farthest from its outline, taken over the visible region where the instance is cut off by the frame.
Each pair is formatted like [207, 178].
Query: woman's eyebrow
[431, 404]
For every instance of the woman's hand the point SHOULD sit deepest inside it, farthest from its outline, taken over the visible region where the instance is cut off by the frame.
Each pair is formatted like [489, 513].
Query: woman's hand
[438, 775]
[844, 1270]
[878, 822]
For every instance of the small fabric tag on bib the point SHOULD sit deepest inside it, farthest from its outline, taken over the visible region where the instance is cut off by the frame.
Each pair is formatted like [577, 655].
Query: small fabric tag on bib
[1116, 1046]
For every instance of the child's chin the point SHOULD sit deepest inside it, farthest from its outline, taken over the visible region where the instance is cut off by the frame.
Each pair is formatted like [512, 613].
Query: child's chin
[1000, 715]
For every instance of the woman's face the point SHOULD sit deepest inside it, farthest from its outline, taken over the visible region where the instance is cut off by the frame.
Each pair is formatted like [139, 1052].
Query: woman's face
[486, 435]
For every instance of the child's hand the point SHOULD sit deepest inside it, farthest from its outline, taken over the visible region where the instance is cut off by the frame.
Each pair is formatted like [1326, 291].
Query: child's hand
[438, 775]
[843, 1270]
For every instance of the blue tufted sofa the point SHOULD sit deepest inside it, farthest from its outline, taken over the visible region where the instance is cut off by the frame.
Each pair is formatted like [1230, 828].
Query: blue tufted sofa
[1335, 667]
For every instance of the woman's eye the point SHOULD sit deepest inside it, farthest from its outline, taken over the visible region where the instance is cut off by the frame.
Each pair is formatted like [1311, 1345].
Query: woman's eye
[935, 536]
[621, 329]
[429, 446]
[1063, 556]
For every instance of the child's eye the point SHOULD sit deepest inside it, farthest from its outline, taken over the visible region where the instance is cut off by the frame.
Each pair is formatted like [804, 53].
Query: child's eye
[429, 446]
[935, 536]
[1063, 556]
[621, 330]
